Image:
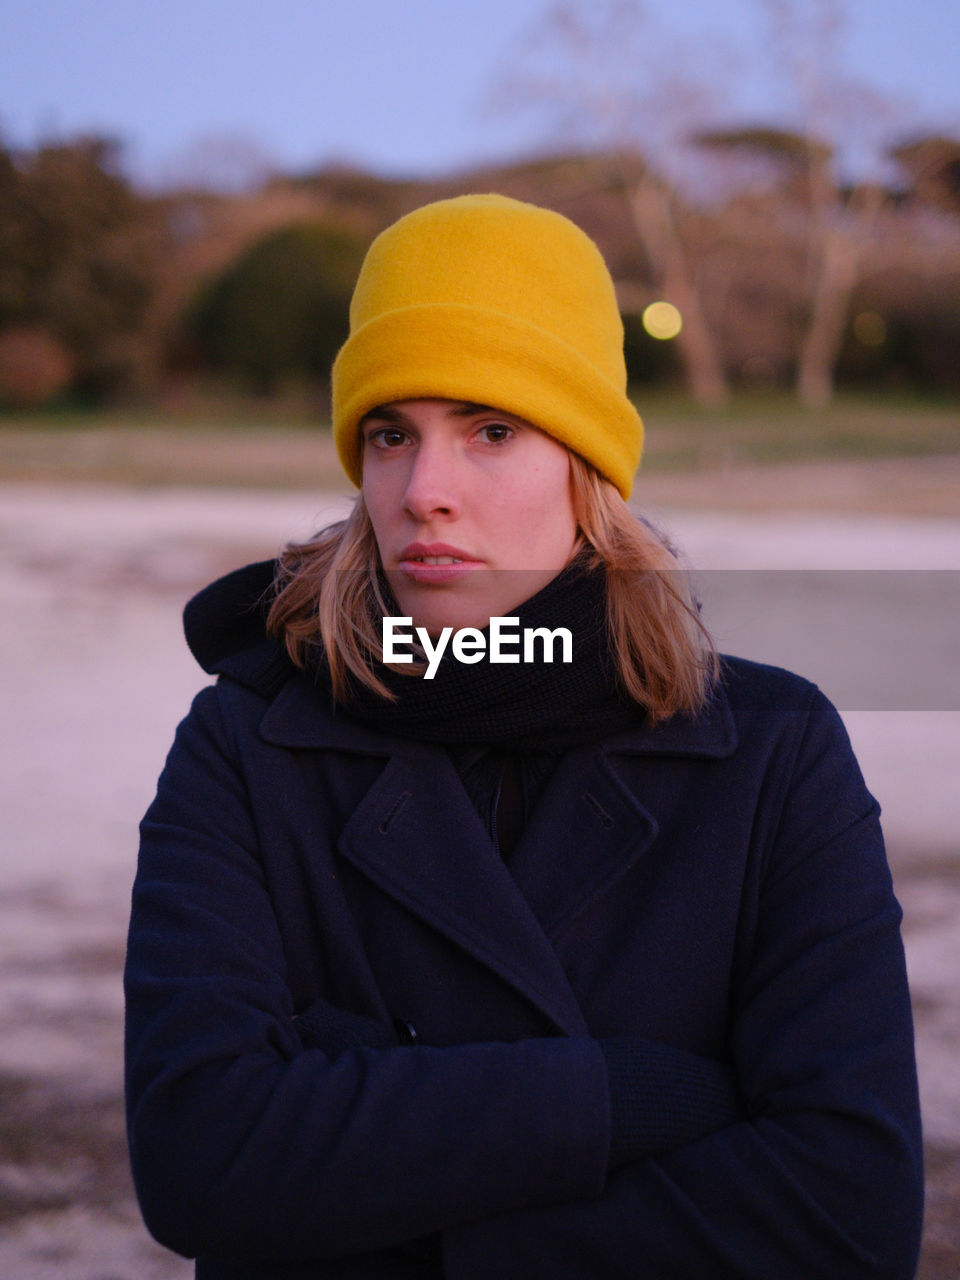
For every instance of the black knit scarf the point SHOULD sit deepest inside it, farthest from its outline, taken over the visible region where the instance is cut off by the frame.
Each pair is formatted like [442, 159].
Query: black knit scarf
[536, 705]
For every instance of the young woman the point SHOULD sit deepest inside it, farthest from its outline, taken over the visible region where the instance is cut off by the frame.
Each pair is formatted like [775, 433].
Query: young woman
[569, 958]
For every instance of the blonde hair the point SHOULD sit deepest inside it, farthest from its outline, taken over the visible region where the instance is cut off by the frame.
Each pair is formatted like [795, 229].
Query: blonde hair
[329, 593]
[664, 655]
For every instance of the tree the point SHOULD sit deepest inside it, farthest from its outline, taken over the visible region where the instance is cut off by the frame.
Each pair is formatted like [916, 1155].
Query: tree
[281, 310]
[932, 165]
[601, 71]
[836, 217]
[80, 254]
[835, 225]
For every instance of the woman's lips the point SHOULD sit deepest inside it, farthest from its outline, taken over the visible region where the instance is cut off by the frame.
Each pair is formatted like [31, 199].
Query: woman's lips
[435, 563]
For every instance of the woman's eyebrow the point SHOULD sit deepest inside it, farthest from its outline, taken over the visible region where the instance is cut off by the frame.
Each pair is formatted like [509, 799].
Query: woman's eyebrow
[465, 409]
[383, 413]
[468, 408]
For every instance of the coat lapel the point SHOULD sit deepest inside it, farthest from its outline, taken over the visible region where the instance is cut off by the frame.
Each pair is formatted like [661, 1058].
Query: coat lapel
[418, 837]
[586, 832]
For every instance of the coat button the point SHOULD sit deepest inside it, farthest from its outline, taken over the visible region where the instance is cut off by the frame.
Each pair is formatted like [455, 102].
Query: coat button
[406, 1031]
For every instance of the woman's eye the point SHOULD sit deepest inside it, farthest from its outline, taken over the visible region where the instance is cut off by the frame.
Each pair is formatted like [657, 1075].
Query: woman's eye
[387, 437]
[497, 432]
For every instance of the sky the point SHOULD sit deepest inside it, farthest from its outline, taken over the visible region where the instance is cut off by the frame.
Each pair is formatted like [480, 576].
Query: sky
[403, 87]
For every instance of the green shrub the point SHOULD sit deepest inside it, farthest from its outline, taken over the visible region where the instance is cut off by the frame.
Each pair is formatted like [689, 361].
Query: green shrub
[280, 311]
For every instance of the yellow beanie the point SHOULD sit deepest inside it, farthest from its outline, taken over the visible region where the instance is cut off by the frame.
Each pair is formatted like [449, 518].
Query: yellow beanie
[488, 299]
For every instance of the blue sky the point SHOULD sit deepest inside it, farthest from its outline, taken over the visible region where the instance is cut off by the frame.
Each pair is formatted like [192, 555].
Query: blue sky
[402, 86]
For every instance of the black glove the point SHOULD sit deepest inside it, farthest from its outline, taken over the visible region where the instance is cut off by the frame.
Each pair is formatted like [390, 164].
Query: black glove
[323, 1026]
[662, 1097]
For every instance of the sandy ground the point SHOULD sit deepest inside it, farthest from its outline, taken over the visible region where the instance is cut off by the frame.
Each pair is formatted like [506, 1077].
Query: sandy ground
[96, 677]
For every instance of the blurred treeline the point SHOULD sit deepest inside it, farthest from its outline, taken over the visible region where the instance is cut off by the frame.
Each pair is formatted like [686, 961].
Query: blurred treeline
[783, 277]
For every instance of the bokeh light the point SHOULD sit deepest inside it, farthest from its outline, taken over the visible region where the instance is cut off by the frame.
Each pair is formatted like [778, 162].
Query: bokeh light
[662, 320]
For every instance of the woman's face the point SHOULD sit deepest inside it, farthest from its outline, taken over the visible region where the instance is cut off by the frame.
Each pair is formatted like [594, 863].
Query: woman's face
[471, 508]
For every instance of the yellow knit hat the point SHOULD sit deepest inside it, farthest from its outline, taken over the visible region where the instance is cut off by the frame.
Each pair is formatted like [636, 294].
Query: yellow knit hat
[488, 299]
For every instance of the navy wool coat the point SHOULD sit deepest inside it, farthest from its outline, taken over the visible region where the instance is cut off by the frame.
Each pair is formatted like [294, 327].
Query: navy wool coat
[717, 885]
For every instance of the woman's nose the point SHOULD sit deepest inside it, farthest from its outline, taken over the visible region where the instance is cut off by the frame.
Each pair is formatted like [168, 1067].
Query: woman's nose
[432, 487]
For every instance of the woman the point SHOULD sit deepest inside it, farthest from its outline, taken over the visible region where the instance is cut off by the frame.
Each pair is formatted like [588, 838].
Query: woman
[472, 967]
